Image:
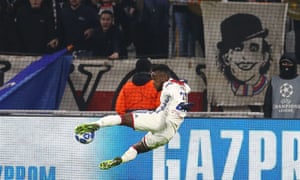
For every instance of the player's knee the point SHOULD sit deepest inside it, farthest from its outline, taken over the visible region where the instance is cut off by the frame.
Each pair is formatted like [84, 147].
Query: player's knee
[141, 147]
[162, 141]
[157, 142]
[127, 120]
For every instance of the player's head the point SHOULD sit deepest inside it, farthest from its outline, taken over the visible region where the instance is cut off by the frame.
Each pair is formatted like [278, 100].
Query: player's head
[160, 74]
[143, 65]
[287, 66]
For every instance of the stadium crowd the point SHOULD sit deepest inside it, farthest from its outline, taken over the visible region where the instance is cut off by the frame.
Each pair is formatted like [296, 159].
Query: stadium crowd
[108, 28]
[95, 27]
[105, 28]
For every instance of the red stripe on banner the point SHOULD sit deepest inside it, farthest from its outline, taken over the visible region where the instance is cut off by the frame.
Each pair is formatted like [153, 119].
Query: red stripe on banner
[102, 101]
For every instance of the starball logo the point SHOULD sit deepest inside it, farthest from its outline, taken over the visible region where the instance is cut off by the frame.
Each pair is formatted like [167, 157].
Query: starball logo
[286, 90]
[286, 105]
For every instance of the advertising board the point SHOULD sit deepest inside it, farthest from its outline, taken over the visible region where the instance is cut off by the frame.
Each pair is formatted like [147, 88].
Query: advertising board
[44, 148]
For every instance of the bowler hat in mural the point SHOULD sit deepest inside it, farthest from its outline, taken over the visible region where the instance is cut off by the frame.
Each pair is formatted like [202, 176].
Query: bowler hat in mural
[238, 28]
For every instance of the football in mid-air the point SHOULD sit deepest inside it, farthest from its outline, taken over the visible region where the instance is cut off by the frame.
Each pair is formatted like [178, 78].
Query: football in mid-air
[85, 138]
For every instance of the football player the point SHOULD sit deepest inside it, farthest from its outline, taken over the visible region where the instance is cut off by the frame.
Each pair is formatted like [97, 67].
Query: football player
[161, 124]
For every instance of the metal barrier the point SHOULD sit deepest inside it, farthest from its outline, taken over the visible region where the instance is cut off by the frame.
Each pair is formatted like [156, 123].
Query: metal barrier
[62, 113]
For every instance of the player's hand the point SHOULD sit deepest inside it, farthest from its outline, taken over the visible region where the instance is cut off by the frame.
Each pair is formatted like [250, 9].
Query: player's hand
[83, 128]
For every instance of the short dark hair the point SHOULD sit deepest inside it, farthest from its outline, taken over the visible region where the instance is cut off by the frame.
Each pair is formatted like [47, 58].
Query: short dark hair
[161, 67]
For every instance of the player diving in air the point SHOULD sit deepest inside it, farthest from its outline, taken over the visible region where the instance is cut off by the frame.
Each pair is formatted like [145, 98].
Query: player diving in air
[161, 124]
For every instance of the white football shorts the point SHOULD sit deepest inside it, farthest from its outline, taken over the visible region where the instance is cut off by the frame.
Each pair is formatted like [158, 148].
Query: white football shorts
[160, 129]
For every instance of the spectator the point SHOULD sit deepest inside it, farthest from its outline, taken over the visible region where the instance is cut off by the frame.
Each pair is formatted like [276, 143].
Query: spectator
[294, 14]
[190, 28]
[151, 29]
[95, 4]
[107, 40]
[36, 29]
[125, 15]
[8, 31]
[79, 22]
[282, 98]
[55, 6]
[139, 93]
[57, 3]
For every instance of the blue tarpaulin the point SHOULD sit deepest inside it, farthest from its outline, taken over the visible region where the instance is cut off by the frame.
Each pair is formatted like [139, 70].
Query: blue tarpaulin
[40, 86]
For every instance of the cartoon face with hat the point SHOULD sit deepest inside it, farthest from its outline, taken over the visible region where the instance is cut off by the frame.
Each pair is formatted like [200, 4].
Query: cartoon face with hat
[244, 54]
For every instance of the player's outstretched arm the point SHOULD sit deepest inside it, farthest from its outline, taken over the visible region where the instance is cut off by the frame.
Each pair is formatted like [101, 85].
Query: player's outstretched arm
[88, 127]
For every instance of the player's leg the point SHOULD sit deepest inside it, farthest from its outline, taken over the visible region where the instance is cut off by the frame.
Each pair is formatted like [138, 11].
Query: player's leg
[129, 155]
[148, 121]
[143, 121]
[149, 142]
[106, 121]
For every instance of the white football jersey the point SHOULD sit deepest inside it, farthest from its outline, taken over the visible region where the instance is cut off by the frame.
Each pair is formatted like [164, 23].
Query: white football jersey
[173, 93]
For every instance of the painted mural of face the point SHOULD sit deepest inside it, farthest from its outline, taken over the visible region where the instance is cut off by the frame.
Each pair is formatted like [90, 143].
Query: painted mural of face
[244, 54]
[246, 60]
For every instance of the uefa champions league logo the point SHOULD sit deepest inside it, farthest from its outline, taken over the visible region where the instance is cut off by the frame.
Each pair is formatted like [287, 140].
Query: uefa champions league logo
[286, 90]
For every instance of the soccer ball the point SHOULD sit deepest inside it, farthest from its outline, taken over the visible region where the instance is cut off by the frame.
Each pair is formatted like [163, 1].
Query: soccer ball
[85, 138]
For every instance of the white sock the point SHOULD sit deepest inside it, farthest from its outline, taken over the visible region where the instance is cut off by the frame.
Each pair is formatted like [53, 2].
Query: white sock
[129, 155]
[110, 120]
